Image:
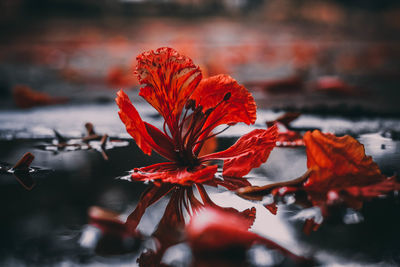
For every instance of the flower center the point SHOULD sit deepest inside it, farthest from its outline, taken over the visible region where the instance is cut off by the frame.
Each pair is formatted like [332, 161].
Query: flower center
[192, 131]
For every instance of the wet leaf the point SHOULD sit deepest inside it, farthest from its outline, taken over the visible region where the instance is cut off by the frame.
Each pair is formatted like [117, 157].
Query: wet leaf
[340, 173]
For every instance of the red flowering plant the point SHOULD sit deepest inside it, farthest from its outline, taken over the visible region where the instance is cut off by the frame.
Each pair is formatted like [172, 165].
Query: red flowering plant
[192, 107]
[339, 174]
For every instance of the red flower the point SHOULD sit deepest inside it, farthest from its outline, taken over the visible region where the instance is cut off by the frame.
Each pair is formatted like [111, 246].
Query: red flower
[191, 107]
[339, 172]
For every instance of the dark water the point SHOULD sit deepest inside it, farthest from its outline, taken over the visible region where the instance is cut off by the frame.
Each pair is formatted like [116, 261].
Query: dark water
[48, 225]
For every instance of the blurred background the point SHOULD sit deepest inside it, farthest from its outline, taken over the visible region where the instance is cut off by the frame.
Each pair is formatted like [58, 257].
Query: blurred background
[312, 56]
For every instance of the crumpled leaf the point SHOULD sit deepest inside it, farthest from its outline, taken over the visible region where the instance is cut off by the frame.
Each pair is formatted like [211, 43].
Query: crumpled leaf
[338, 162]
[339, 174]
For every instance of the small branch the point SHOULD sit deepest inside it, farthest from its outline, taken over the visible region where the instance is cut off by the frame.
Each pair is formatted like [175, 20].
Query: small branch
[258, 192]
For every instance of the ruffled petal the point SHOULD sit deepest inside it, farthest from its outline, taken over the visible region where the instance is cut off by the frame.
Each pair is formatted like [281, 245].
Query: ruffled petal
[140, 130]
[169, 172]
[249, 152]
[240, 107]
[169, 79]
[338, 162]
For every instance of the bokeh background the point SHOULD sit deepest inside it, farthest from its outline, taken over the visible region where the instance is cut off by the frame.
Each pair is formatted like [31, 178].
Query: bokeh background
[330, 56]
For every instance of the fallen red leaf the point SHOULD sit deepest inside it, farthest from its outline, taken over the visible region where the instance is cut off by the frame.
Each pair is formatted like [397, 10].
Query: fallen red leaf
[339, 173]
[338, 163]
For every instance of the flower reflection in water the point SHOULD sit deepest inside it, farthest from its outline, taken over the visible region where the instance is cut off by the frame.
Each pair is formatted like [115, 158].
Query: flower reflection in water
[192, 107]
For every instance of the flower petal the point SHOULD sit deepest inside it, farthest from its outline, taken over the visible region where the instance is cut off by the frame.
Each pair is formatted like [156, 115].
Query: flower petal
[169, 172]
[249, 152]
[240, 107]
[338, 162]
[169, 231]
[148, 197]
[247, 215]
[170, 228]
[169, 79]
[273, 208]
[230, 183]
[140, 130]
